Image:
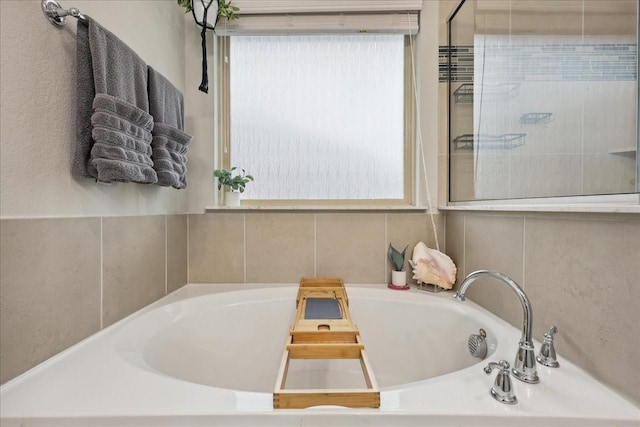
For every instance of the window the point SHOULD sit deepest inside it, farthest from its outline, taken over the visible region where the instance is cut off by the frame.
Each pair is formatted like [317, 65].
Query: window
[321, 117]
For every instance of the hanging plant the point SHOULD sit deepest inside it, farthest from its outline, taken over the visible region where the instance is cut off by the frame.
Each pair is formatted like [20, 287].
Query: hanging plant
[225, 9]
[200, 10]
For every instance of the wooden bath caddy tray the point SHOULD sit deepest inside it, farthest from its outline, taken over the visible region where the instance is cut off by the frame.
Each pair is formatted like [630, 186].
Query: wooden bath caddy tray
[323, 329]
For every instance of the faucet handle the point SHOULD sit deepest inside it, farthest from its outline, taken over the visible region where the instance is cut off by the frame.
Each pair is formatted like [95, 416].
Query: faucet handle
[547, 355]
[552, 331]
[503, 365]
[502, 390]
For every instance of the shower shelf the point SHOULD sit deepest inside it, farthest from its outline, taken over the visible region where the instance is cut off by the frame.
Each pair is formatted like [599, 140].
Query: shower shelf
[464, 94]
[535, 118]
[498, 92]
[505, 141]
[501, 88]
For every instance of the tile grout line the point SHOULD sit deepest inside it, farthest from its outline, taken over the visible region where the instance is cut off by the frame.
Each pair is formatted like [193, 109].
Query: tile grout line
[101, 274]
[582, 154]
[188, 254]
[244, 244]
[444, 233]
[464, 245]
[524, 251]
[166, 258]
[384, 249]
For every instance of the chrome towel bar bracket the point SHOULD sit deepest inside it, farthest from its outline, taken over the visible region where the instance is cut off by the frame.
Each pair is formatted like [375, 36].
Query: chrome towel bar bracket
[56, 14]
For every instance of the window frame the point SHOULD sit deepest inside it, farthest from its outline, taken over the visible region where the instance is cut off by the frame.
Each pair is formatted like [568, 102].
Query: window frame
[223, 145]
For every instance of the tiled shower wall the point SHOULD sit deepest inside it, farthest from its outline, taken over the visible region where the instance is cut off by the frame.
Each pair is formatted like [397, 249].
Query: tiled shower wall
[283, 247]
[64, 279]
[581, 273]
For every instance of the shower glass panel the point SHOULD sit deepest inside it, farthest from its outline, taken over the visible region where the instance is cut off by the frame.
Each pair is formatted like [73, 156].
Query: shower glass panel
[543, 98]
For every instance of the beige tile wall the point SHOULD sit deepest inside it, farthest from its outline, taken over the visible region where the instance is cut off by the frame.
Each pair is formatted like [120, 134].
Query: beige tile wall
[216, 248]
[134, 264]
[49, 288]
[581, 273]
[283, 247]
[176, 252]
[63, 279]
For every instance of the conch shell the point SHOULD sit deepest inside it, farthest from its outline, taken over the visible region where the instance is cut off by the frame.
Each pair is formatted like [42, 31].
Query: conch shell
[433, 267]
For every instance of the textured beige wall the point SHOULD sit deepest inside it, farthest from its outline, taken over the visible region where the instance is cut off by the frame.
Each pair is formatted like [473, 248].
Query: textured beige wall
[37, 110]
[426, 57]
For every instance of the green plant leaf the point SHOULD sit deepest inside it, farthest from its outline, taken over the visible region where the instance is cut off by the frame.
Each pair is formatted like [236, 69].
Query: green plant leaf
[234, 179]
[396, 258]
[186, 4]
[225, 8]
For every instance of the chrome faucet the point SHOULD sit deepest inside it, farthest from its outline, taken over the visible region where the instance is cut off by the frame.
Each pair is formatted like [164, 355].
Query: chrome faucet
[524, 367]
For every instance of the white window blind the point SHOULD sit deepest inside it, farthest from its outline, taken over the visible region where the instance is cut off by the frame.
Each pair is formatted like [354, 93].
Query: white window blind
[273, 17]
[248, 7]
[318, 24]
[319, 117]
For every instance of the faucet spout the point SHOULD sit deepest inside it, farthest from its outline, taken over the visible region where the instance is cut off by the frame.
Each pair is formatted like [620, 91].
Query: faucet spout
[525, 365]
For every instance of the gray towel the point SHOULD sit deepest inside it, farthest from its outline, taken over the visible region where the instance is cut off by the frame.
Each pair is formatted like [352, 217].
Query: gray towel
[166, 103]
[116, 143]
[122, 147]
[85, 92]
[169, 144]
[169, 155]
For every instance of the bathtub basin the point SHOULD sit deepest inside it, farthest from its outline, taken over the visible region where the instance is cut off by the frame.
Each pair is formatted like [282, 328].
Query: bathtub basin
[209, 355]
[236, 341]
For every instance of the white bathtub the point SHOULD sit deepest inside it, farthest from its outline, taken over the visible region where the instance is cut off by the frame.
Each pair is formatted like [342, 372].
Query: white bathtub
[209, 355]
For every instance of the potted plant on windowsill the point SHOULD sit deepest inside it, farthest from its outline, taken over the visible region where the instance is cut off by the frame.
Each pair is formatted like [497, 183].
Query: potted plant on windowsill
[398, 275]
[234, 181]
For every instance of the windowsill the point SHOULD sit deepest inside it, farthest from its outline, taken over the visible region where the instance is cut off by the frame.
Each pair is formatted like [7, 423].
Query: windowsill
[547, 208]
[318, 208]
[625, 203]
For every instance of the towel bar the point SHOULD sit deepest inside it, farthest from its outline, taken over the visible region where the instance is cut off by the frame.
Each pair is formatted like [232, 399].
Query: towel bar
[56, 14]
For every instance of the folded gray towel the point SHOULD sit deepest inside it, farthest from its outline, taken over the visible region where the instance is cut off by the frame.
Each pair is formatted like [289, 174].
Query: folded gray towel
[114, 135]
[169, 142]
[170, 155]
[122, 148]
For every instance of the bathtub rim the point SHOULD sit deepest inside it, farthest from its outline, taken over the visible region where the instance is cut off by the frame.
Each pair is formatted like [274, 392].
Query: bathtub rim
[484, 412]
